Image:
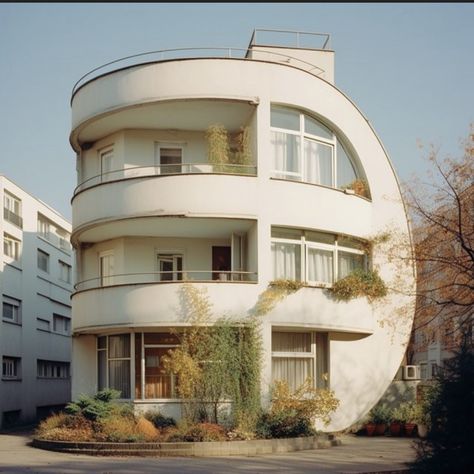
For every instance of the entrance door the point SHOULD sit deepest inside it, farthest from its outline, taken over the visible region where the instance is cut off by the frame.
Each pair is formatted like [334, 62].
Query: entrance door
[221, 263]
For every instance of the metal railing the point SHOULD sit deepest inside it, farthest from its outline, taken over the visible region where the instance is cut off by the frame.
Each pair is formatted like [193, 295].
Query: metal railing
[298, 35]
[166, 170]
[12, 217]
[189, 53]
[195, 276]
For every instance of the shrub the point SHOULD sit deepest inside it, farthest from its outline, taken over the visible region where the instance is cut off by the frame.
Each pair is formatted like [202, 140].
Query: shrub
[93, 408]
[360, 283]
[118, 429]
[56, 420]
[380, 414]
[283, 424]
[159, 421]
[147, 429]
[197, 432]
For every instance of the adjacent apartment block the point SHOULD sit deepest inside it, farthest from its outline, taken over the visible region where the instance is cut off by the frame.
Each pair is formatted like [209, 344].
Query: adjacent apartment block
[231, 172]
[35, 285]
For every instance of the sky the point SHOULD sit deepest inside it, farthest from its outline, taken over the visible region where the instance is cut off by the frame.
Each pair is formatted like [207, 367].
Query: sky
[407, 66]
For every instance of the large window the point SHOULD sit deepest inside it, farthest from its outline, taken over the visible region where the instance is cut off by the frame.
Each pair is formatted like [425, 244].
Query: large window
[306, 150]
[51, 369]
[44, 227]
[64, 272]
[170, 266]
[106, 268]
[11, 310]
[168, 158]
[11, 247]
[61, 324]
[314, 257]
[113, 363]
[299, 355]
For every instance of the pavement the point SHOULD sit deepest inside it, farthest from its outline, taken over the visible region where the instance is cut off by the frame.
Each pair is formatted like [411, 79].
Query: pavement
[357, 454]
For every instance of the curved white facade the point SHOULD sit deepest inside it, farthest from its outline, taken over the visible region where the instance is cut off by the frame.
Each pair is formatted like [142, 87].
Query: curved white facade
[149, 208]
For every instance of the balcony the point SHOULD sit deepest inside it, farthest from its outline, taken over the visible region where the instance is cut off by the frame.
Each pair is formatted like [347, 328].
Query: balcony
[12, 217]
[166, 170]
[170, 276]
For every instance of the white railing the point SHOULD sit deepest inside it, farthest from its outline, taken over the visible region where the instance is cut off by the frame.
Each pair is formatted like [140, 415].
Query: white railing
[166, 170]
[192, 53]
[195, 276]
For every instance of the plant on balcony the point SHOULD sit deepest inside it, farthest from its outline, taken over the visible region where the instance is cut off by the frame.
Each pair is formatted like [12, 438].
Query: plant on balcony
[360, 283]
[275, 292]
[359, 186]
[241, 149]
[218, 147]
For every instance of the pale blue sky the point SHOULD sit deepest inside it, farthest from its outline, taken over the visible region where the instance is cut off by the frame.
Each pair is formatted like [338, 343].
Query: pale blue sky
[407, 66]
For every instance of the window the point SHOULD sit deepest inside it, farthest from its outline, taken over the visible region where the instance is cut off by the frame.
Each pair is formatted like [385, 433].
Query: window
[44, 227]
[151, 379]
[52, 369]
[306, 150]
[43, 261]
[106, 268]
[11, 368]
[106, 163]
[42, 324]
[61, 324]
[11, 247]
[64, 272]
[64, 240]
[113, 363]
[168, 157]
[11, 310]
[299, 355]
[170, 267]
[314, 257]
[12, 209]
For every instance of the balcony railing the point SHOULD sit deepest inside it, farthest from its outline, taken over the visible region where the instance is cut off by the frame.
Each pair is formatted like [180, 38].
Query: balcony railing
[12, 217]
[166, 170]
[196, 276]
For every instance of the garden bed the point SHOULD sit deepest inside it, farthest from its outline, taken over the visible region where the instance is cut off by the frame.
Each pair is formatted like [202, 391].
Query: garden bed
[200, 449]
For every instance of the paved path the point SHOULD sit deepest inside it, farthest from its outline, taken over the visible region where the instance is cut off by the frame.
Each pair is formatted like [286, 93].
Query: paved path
[356, 455]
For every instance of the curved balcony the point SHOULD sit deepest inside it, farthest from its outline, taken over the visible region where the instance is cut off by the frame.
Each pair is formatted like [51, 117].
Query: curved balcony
[165, 170]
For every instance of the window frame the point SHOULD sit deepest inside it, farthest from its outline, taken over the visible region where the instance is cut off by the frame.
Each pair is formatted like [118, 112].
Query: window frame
[157, 156]
[62, 266]
[42, 253]
[174, 255]
[13, 363]
[14, 303]
[10, 242]
[48, 369]
[65, 330]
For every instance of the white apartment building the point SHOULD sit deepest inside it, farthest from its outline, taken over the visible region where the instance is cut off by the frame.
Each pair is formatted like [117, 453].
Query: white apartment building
[35, 285]
[156, 205]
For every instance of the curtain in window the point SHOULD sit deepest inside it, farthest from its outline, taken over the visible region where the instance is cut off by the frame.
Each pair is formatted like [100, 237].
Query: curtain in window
[320, 265]
[292, 370]
[286, 152]
[346, 173]
[286, 261]
[291, 342]
[119, 376]
[119, 346]
[348, 262]
[318, 162]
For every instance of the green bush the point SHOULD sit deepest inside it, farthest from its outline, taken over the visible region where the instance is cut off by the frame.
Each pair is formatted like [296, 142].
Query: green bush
[93, 408]
[283, 425]
[160, 421]
[197, 432]
[380, 414]
[360, 283]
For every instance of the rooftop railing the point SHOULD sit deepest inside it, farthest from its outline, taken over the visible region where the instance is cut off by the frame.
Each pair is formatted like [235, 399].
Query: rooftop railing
[166, 170]
[190, 53]
[196, 276]
[290, 38]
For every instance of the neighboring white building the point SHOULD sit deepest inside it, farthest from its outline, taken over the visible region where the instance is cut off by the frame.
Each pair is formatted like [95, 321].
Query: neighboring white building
[35, 285]
[151, 209]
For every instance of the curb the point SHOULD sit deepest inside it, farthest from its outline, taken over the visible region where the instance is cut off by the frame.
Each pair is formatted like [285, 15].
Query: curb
[197, 449]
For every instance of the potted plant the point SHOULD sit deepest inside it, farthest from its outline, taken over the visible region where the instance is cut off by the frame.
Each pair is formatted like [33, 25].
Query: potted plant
[422, 418]
[410, 418]
[380, 415]
[396, 422]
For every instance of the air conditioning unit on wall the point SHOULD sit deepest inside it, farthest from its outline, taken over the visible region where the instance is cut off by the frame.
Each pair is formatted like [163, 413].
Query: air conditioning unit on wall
[411, 372]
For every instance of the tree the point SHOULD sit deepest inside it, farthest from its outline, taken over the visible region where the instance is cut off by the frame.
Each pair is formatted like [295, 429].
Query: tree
[448, 447]
[442, 211]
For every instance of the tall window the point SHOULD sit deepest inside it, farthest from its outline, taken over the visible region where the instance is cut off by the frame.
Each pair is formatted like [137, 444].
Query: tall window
[299, 355]
[11, 309]
[44, 227]
[64, 272]
[12, 209]
[43, 260]
[314, 257]
[306, 150]
[11, 368]
[168, 157]
[106, 268]
[11, 247]
[170, 266]
[106, 158]
[151, 379]
[113, 361]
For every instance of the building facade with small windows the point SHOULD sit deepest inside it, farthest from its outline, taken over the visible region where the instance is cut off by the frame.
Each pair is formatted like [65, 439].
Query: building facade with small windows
[35, 285]
[230, 173]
